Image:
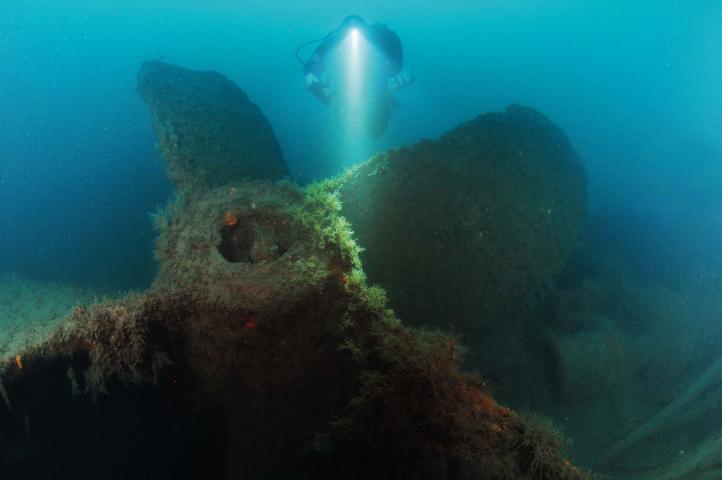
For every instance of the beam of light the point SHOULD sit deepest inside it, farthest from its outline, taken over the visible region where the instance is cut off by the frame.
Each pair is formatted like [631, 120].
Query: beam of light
[356, 77]
[354, 56]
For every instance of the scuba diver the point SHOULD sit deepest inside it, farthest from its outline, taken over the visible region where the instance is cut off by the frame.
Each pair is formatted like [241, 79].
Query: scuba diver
[382, 70]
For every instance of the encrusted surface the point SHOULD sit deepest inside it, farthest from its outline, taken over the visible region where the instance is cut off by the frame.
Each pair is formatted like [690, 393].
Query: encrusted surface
[208, 131]
[464, 230]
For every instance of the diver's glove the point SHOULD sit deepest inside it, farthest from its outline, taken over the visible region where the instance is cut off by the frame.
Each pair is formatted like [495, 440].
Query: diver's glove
[397, 82]
[320, 90]
[311, 80]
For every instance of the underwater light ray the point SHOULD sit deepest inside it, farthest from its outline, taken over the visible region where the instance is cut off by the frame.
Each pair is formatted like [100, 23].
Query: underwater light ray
[355, 51]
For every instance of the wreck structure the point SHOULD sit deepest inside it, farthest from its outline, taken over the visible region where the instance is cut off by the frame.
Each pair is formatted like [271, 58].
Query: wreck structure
[261, 351]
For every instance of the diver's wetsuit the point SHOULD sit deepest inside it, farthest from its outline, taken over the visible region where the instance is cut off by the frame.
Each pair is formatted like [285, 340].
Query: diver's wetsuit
[380, 36]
